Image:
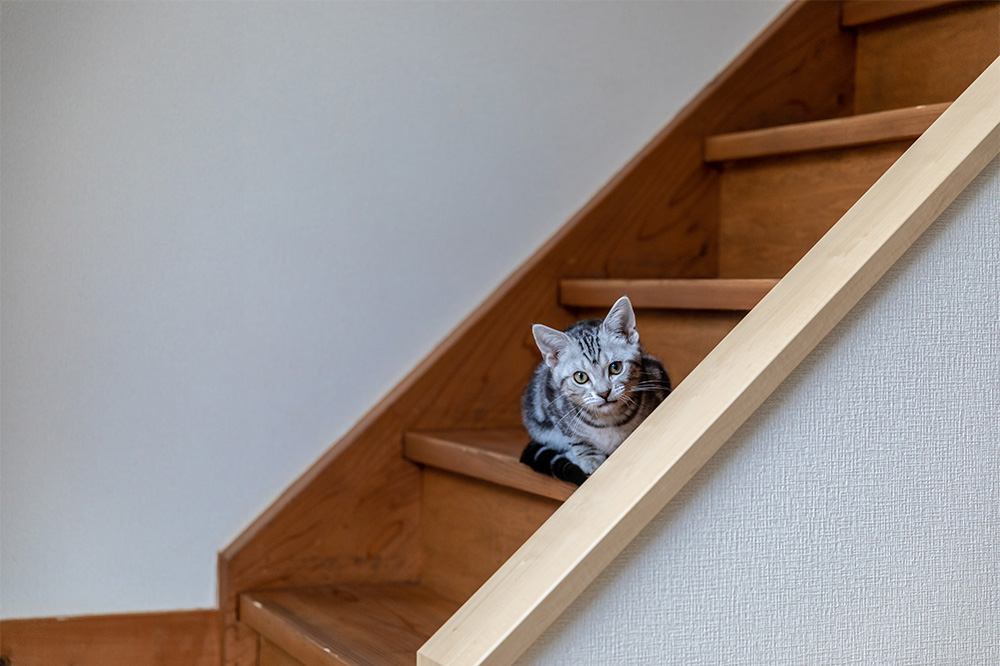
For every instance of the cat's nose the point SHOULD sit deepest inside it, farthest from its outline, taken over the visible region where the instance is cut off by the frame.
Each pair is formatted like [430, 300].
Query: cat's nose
[605, 394]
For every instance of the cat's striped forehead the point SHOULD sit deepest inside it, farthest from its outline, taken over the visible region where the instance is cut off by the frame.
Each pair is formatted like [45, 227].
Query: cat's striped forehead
[592, 339]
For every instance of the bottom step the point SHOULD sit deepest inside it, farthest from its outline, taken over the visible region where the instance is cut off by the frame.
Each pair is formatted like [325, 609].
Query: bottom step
[352, 625]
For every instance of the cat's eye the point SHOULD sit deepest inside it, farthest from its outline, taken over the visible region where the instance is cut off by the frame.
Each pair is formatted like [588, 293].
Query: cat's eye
[580, 377]
[615, 368]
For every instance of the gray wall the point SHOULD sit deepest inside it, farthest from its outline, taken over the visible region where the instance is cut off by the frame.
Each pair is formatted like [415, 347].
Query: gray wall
[228, 228]
[855, 518]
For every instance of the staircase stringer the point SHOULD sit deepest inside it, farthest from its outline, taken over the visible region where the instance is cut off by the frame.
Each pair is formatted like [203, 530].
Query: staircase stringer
[354, 515]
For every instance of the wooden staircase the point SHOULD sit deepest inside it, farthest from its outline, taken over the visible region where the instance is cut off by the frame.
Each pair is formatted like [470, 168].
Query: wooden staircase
[371, 551]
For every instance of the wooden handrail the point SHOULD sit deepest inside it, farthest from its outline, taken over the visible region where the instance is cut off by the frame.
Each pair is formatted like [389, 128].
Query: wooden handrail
[552, 568]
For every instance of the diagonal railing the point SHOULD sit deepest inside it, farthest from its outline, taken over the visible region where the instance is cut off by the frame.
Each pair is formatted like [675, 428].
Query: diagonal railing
[552, 568]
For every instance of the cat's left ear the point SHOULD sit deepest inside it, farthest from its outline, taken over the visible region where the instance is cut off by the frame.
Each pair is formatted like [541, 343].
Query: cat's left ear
[621, 320]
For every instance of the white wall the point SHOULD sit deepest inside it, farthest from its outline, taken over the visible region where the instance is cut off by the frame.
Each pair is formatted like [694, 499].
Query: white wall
[855, 518]
[229, 228]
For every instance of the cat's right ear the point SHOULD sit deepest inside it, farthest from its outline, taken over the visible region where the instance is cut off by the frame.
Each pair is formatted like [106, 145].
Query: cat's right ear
[550, 342]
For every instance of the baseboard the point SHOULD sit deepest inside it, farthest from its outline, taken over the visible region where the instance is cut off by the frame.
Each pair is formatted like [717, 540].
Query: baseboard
[188, 638]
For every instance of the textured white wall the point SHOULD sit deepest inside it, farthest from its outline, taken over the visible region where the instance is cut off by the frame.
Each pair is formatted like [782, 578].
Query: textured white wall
[855, 518]
[228, 228]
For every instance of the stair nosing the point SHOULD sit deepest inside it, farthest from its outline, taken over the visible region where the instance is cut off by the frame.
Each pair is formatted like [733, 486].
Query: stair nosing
[311, 650]
[445, 450]
[309, 644]
[726, 294]
[830, 134]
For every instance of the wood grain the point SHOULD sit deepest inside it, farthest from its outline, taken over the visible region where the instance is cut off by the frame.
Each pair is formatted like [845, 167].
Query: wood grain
[774, 210]
[859, 12]
[132, 639]
[272, 655]
[354, 515]
[682, 339]
[347, 625]
[471, 527]
[706, 294]
[925, 59]
[365, 534]
[879, 127]
[490, 455]
[592, 527]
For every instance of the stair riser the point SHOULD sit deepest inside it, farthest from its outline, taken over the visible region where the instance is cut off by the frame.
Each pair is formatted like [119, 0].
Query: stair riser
[924, 58]
[471, 527]
[772, 211]
[272, 655]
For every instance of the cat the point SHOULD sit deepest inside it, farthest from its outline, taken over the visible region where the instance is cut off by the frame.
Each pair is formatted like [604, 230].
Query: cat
[594, 386]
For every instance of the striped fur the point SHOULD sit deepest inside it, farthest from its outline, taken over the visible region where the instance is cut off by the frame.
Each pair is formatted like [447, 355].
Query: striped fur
[594, 387]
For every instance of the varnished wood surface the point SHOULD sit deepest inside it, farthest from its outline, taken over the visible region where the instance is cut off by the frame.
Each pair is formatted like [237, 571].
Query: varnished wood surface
[593, 526]
[131, 639]
[272, 655]
[705, 294]
[774, 210]
[365, 533]
[683, 338]
[860, 12]
[926, 58]
[490, 455]
[347, 625]
[879, 127]
[355, 514]
[471, 527]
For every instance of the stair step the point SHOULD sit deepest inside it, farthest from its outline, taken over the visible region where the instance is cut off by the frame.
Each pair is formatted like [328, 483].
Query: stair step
[704, 294]
[490, 455]
[860, 130]
[861, 12]
[353, 625]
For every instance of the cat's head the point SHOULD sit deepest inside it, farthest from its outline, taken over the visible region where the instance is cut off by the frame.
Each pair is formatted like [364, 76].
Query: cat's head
[594, 362]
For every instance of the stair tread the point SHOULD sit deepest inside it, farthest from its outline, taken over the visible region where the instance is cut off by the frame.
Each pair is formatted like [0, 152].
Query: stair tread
[859, 130]
[356, 625]
[860, 12]
[490, 455]
[704, 294]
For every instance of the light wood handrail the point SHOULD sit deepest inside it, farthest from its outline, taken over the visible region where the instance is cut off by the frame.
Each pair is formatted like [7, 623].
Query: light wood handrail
[567, 553]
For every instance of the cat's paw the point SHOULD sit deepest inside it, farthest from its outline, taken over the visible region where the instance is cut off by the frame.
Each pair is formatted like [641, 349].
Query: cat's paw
[565, 470]
[581, 462]
[587, 457]
[589, 464]
[552, 462]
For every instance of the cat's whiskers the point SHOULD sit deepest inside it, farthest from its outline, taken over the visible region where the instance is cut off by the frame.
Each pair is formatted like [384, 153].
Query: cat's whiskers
[574, 412]
[649, 386]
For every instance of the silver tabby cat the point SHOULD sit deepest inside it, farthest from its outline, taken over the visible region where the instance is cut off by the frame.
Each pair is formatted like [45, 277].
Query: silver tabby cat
[594, 387]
